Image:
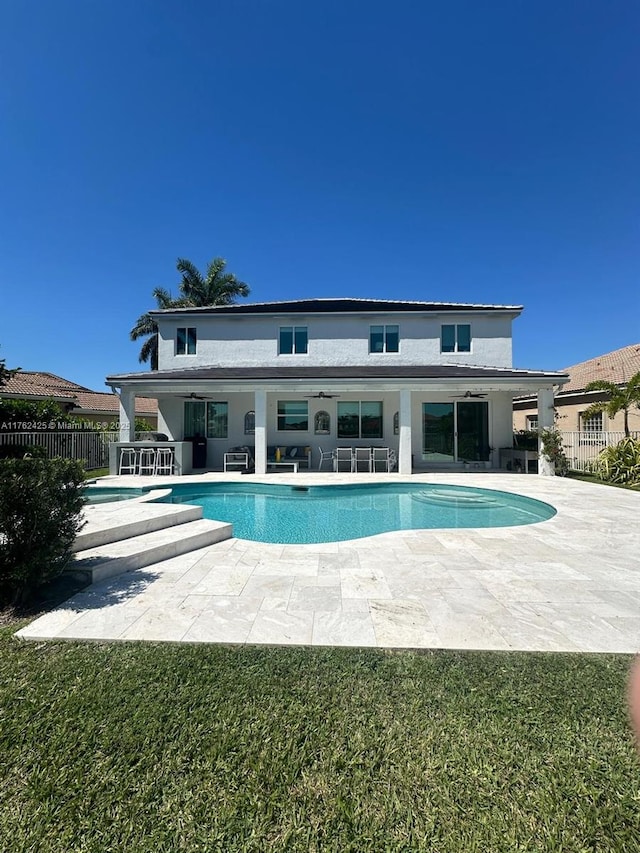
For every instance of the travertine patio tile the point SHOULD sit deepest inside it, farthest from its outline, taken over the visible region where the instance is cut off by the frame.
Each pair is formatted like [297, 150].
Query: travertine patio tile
[364, 586]
[111, 621]
[326, 598]
[402, 624]
[160, 624]
[340, 628]
[277, 627]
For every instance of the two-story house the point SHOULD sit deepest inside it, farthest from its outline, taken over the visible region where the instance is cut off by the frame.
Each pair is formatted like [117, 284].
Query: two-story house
[433, 381]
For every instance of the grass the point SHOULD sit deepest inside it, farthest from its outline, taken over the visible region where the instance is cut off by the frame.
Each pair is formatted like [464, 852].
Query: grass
[591, 478]
[152, 747]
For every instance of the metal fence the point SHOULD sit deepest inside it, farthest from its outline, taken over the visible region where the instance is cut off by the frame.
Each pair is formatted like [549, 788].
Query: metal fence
[91, 448]
[582, 448]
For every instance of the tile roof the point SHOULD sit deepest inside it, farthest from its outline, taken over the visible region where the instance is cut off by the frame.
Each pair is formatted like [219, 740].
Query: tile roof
[617, 367]
[40, 384]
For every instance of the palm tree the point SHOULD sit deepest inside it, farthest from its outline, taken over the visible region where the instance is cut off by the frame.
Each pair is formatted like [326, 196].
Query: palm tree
[146, 327]
[621, 399]
[216, 287]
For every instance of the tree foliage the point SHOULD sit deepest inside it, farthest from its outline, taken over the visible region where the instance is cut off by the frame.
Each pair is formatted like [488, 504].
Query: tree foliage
[5, 373]
[40, 515]
[31, 411]
[621, 398]
[215, 287]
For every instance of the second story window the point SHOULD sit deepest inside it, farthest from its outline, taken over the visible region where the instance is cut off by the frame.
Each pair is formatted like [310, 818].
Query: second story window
[384, 339]
[186, 340]
[455, 338]
[293, 340]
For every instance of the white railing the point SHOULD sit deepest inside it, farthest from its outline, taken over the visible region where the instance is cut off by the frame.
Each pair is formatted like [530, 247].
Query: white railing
[92, 448]
[581, 448]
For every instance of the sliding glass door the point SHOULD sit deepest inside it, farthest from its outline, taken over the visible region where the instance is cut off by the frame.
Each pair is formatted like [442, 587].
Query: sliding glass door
[438, 432]
[455, 432]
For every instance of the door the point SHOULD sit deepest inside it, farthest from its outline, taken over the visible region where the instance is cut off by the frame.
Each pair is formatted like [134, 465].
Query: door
[438, 433]
[455, 432]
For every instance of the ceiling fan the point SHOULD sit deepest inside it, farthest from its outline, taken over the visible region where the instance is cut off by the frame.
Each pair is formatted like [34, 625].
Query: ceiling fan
[322, 396]
[193, 396]
[467, 395]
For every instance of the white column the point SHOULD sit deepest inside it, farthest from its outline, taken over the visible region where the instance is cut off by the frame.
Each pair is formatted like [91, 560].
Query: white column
[261, 431]
[404, 443]
[127, 414]
[545, 421]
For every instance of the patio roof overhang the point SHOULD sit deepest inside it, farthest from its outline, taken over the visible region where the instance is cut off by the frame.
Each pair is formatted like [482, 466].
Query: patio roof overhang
[353, 378]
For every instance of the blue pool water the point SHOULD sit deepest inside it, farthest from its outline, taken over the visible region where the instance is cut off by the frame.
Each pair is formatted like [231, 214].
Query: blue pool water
[308, 514]
[108, 494]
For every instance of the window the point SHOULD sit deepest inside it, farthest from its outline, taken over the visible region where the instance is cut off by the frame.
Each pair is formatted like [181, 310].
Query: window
[455, 338]
[206, 419]
[217, 420]
[592, 424]
[293, 415]
[293, 340]
[360, 420]
[322, 423]
[384, 339]
[250, 423]
[186, 339]
[532, 422]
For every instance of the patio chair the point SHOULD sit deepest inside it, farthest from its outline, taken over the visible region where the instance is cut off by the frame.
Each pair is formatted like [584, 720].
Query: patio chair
[343, 456]
[325, 454]
[380, 459]
[362, 459]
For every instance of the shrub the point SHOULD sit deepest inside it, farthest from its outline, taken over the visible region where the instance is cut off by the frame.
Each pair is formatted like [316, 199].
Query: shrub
[553, 450]
[619, 463]
[40, 516]
[19, 451]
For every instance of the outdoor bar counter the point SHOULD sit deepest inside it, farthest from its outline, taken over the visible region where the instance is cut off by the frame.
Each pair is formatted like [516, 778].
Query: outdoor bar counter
[182, 450]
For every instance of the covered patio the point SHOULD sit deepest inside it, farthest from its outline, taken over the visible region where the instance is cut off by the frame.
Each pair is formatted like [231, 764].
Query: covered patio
[440, 417]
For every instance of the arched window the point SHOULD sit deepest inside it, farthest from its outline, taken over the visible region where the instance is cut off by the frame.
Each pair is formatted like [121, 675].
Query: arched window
[322, 423]
[396, 426]
[250, 423]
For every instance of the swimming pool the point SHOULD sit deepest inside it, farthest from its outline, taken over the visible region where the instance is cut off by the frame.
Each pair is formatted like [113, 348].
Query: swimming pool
[108, 494]
[311, 514]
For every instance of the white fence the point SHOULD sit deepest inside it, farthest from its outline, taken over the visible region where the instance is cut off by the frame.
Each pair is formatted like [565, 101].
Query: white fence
[92, 448]
[582, 448]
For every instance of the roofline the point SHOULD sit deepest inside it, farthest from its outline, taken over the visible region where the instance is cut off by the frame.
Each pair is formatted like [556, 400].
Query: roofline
[325, 305]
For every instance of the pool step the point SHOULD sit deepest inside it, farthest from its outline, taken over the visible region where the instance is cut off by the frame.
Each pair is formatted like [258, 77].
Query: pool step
[127, 555]
[111, 522]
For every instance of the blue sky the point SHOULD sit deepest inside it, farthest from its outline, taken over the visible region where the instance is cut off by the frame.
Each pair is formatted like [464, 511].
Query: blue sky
[458, 151]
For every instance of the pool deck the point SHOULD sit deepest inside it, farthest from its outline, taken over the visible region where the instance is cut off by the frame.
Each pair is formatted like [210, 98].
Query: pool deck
[571, 583]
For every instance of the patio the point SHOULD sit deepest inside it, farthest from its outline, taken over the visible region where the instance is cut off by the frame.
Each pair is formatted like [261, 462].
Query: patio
[567, 584]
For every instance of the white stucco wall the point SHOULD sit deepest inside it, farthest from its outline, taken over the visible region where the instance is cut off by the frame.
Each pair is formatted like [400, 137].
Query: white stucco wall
[245, 341]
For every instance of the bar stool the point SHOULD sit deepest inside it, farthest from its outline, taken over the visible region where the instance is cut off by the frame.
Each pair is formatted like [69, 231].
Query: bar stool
[128, 463]
[164, 460]
[147, 464]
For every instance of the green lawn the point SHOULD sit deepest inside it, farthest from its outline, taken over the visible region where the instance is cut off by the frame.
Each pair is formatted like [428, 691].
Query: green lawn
[151, 747]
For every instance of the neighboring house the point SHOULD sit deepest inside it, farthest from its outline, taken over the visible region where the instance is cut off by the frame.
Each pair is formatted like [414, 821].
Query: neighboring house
[433, 381]
[572, 400]
[88, 407]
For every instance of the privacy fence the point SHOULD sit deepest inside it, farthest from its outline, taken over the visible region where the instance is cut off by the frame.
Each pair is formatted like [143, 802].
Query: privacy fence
[92, 448]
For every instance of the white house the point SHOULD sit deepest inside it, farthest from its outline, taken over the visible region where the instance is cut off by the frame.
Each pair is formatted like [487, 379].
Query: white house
[433, 381]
